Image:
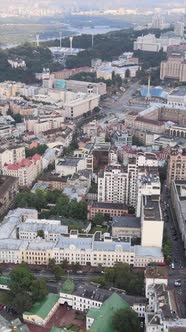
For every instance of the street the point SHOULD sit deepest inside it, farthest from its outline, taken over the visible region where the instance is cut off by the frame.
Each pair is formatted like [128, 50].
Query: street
[177, 253]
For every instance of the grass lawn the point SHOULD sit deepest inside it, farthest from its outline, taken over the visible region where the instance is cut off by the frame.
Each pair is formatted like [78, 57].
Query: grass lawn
[102, 229]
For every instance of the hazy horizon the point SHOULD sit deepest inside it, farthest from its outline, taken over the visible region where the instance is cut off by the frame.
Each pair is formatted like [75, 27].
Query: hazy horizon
[101, 4]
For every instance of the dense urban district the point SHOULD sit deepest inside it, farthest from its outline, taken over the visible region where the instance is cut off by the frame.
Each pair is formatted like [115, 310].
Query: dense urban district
[93, 182]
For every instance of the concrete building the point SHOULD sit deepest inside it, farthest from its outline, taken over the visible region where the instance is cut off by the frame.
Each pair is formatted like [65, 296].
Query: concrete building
[42, 125]
[126, 227]
[107, 209]
[150, 43]
[11, 155]
[178, 201]
[8, 192]
[179, 29]
[70, 166]
[158, 22]
[176, 166]
[120, 138]
[82, 104]
[26, 170]
[151, 222]
[86, 87]
[173, 68]
[177, 97]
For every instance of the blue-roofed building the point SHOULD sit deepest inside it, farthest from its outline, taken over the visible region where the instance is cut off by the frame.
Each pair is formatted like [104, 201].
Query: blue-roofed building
[155, 92]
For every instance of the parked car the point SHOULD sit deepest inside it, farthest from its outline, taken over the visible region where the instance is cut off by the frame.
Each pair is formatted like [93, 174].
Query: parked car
[177, 283]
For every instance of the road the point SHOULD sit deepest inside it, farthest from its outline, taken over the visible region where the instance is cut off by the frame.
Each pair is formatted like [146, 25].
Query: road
[177, 254]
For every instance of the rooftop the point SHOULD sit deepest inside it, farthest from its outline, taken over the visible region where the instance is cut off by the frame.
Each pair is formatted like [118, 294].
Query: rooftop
[68, 162]
[151, 208]
[103, 318]
[180, 91]
[42, 309]
[126, 221]
[6, 182]
[159, 272]
[113, 206]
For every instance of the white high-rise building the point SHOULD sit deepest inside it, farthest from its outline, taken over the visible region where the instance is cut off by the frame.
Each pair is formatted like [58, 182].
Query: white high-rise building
[157, 22]
[179, 28]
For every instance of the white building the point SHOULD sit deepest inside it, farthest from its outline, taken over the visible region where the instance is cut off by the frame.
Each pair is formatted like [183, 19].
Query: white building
[69, 166]
[150, 43]
[41, 125]
[81, 104]
[179, 29]
[151, 222]
[11, 155]
[26, 170]
[177, 97]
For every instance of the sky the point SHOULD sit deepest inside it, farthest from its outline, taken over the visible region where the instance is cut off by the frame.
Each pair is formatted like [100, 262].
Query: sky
[106, 4]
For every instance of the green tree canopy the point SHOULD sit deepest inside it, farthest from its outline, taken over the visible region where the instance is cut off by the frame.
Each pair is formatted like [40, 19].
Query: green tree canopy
[98, 218]
[126, 320]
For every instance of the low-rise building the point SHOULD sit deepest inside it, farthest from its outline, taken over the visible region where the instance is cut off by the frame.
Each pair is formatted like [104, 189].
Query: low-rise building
[99, 88]
[53, 181]
[126, 227]
[107, 209]
[8, 192]
[121, 138]
[70, 166]
[41, 312]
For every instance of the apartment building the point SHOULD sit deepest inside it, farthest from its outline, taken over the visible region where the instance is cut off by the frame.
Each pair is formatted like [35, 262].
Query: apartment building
[176, 169]
[26, 170]
[173, 68]
[8, 191]
[11, 155]
[150, 43]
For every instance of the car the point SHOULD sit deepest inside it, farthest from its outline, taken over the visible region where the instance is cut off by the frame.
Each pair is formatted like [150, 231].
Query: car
[177, 283]
[79, 272]
[172, 266]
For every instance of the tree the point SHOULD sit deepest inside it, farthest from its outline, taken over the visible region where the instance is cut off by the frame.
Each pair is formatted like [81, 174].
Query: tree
[126, 320]
[58, 272]
[40, 233]
[22, 301]
[98, 218]
[39, 290]
[20, 279]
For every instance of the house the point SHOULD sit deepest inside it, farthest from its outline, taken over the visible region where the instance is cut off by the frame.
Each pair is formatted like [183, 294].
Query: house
[42, 311]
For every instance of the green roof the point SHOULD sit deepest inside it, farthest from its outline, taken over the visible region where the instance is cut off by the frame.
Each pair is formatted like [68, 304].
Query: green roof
[68, 286]
[103, 320]
[93, 313]
[42, 309]
[4, 280]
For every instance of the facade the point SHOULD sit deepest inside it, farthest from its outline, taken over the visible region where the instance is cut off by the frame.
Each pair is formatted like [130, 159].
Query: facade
[45, 124]
[26, 171]
[8, 192]
[126, 227]
[11, 155]
[173, 68]
[121, 138]
[53, 181]
[176, 166]
[177, 97]
[82, 104]
[150, 43]
[107, 209]
[86, 87]
[179, 29]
